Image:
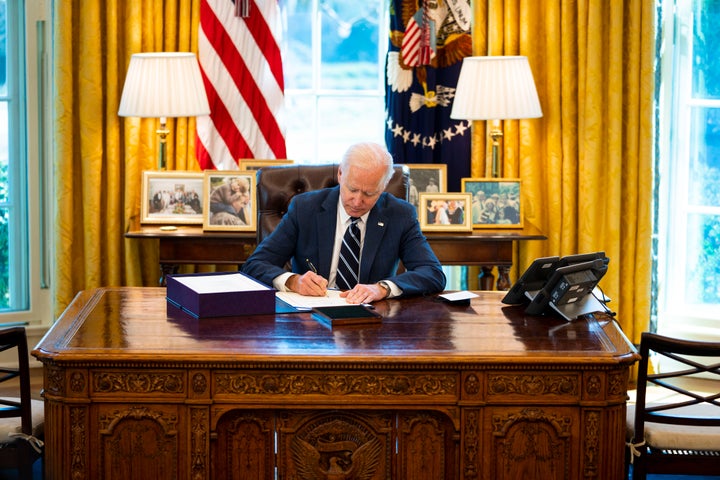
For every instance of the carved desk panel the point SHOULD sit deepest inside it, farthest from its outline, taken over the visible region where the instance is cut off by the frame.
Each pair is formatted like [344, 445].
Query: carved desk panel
[435, 391]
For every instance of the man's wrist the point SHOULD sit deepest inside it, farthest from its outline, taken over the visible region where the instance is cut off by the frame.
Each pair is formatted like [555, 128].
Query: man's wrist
[291, 282]
[385, 286]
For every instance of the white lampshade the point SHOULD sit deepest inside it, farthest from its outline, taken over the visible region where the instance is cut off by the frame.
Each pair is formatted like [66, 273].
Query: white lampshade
[495, 88]
[163, 84]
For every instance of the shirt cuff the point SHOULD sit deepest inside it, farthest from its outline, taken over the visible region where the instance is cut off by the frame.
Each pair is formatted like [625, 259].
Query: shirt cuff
[395, 291]
[279, 281]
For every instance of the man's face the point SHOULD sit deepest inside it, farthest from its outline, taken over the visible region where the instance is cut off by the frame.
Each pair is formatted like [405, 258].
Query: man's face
[360, 188]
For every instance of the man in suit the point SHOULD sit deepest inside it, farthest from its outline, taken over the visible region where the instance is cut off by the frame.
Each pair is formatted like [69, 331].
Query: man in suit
[310, 236]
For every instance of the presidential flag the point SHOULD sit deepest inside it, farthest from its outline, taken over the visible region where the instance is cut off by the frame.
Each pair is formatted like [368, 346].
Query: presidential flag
[428, 40]
[239, 54]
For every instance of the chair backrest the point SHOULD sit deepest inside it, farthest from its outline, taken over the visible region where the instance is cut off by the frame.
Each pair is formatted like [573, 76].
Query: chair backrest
[15, 338]
[676, 424]
[677, 379]
[276, 186]
[20, 446]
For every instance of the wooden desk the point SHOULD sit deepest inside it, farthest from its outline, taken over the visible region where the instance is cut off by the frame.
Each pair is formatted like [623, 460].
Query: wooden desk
[436, 391]
[191, 245]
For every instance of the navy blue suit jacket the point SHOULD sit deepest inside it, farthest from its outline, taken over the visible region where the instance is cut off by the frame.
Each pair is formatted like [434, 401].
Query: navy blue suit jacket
[392, 234]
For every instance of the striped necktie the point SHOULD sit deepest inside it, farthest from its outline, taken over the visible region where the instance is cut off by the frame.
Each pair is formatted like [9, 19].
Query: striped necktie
[349, 261]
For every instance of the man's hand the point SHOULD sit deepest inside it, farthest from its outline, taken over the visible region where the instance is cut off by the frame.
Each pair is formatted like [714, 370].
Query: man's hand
[309, 283]
[363, 293]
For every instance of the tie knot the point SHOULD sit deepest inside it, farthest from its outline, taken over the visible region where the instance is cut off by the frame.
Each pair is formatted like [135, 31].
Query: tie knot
[354, 219]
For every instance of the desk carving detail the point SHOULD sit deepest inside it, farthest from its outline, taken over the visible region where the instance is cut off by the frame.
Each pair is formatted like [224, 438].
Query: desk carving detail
[532, 437]
[140, 383]
[347, 384]
[545, 384]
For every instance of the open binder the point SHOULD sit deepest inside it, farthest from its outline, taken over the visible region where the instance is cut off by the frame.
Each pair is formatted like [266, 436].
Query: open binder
[565, 286]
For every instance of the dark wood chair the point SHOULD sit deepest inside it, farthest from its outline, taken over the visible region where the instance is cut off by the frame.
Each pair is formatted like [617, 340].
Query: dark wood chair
[674, 425]
[277, 185]
[21, 418]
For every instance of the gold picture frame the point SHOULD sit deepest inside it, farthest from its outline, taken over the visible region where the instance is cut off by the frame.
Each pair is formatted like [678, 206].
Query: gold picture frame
[230, 200]
[426, 177]
[496, 202]
[445, 212]
[252, 164]
[172, 197]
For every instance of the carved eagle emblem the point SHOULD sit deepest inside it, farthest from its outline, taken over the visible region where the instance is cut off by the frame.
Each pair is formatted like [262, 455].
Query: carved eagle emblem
[339, 460]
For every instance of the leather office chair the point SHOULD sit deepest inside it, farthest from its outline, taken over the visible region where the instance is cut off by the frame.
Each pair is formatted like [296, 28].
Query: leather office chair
[277, 185]
[21, 418]
[674, 425]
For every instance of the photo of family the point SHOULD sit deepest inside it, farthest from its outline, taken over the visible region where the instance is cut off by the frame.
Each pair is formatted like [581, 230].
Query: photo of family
[172, 197]
[445, 212]
[230, 201]
[495, 203]
[427, 178]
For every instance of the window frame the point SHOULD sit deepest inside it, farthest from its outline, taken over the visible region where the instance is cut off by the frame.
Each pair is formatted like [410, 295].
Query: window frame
[31, 195]
[676, 317]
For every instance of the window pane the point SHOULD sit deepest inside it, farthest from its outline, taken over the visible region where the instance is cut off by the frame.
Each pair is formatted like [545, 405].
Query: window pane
[3, 48]
[706, 42]
[297, 61]
[704, 173]
[347, 120]
[349, 45]
[4, 258]
[703, 260]
[301, 127]
[3, 152]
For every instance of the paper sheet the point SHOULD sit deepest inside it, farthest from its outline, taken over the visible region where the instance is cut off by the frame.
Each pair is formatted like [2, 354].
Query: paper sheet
[455, 296]
[305, 302]
[221, 283]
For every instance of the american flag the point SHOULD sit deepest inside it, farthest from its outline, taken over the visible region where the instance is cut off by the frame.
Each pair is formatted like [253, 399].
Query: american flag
[240, 61]
[417, 48]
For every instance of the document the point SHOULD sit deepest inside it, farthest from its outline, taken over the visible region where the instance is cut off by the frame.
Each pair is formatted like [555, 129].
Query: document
[233, 282]
[306, 302]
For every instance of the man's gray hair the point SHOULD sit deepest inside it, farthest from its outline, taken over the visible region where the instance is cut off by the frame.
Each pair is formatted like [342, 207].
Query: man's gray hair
[369, 154]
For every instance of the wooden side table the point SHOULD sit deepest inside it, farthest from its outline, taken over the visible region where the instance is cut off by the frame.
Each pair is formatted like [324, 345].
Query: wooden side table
[191, 245]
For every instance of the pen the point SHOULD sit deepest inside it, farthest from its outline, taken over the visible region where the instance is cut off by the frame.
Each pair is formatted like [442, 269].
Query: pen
[313, 269]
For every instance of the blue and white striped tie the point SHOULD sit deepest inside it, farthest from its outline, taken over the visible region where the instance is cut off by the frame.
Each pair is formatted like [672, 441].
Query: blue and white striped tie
[349, 261]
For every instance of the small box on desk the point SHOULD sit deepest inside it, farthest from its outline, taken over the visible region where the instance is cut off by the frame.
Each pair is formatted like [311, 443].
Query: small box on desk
[221, 294]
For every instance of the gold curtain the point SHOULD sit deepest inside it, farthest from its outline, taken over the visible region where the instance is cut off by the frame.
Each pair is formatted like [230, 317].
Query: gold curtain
[99, 157]
[586, 165]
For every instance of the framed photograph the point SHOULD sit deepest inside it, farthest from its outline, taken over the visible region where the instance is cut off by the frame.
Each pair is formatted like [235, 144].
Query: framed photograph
[252, 164]
[230, 200]
[426, 177]
[172, 197]
[495, 202]
[445, 212]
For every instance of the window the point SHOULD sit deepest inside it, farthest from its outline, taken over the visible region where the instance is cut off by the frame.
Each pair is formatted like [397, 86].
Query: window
[334, 63]
[13, 213]
[24, 297]
[688, 215]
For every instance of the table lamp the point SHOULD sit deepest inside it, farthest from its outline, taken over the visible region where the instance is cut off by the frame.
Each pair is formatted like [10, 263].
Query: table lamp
[161, 85]
[495, 88]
